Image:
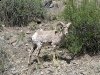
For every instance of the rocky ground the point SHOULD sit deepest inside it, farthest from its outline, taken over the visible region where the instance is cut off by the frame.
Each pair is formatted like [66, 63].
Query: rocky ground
[16, 42]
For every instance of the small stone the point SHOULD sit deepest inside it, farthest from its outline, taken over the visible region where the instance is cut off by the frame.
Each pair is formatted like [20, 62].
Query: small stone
[28, 32]
[18, 43]
[26, 44]
[12, 41]
[29, 39]
[7, 36]
[18, 62]
[3, 25]
[47, 71]
[26, 69]
[51, 6]
[16, 73]
[42, 73]
[97, 70]
[13, 69]
[47, 3]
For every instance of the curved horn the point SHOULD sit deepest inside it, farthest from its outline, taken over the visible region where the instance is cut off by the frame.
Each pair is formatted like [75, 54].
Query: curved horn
[60, 24]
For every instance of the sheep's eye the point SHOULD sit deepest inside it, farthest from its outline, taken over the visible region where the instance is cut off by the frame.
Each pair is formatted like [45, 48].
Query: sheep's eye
[61, 27]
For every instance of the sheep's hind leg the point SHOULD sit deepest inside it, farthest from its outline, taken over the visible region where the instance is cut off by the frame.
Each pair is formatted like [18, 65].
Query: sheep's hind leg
[56, 63]
[34, 46]
[30, 55]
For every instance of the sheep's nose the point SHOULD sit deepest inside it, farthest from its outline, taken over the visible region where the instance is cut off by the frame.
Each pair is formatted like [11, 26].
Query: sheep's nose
[66, 33]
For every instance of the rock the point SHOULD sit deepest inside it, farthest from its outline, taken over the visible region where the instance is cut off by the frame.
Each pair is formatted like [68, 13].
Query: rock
[3, 25]
[18, 43]
[7, 65]
[48, 71]
[97, 69]
[29, 39]
[25, 69]
[7, 36]
[47, 3]
[26, 44]
[17, 73]
[42, 73]
[52, 5]
[13, 69]
[2, 42]
[28, 32]
[1, 29]
[13, 39]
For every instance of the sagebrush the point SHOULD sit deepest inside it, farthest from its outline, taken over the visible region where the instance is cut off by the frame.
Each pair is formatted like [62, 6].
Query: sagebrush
[20, 12]
[84, 34]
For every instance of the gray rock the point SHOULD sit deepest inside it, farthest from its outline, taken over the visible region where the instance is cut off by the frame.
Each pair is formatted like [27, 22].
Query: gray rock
[1, 29]
[52, 5]
[7, 36]
[2, 46]
[16, 73]
[13, 69]
[2, 41]
[97, 69]
[26, 69]
[47, 3]
[48, 71]
[29, 39]
[18, 43]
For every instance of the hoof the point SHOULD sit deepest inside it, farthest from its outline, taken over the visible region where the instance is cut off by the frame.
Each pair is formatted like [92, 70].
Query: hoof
[29, 64]
[55, 62]
[40, 66]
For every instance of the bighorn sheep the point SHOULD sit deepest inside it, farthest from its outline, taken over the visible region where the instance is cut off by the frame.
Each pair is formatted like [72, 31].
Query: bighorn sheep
[51, 37]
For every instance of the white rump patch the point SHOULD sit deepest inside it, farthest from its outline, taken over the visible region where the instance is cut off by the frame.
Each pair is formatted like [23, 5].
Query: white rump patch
[34, 36]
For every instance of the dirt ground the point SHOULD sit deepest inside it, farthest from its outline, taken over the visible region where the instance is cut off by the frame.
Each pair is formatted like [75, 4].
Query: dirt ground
[17, 44]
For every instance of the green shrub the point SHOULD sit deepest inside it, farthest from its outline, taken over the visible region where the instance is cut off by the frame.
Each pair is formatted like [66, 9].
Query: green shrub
[85, 32]
[0, 24]
[20, 12]
[1, 65]
[21, 36]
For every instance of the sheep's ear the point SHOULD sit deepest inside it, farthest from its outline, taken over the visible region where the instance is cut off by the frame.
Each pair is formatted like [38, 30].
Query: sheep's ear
[68, 25]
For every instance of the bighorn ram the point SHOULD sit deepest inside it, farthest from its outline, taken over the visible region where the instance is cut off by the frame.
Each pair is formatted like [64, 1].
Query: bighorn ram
[51, 37]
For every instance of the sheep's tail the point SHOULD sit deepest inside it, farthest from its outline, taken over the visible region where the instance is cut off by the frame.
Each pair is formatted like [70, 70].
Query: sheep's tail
[34, 46]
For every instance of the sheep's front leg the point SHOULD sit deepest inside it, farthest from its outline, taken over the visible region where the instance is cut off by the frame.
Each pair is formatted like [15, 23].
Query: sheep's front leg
[54, 56]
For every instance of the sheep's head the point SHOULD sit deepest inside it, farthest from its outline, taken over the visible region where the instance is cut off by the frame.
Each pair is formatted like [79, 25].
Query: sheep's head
[63, 27]
[66, 28]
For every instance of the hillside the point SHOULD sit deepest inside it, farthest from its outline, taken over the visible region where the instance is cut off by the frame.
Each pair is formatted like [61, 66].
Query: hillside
[15, 44]
[17, 51]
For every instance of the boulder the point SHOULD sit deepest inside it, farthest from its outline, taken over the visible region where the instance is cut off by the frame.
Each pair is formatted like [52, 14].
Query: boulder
[47, 3]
